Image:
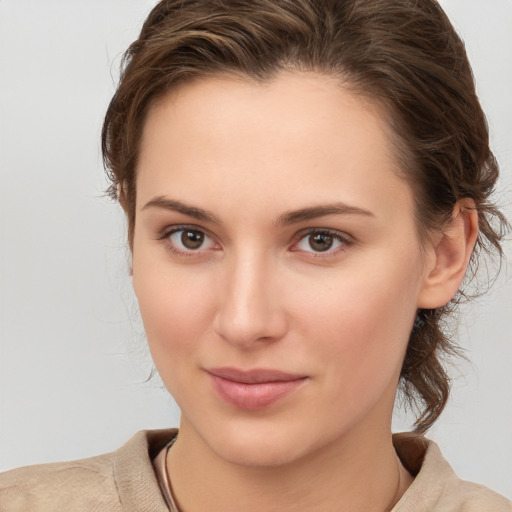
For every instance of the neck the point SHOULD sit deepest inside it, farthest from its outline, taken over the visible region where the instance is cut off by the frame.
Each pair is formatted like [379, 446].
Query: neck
[357, 472]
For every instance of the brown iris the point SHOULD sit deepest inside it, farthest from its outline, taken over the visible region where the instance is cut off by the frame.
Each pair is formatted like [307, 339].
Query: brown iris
[192, 239]
[321, 241]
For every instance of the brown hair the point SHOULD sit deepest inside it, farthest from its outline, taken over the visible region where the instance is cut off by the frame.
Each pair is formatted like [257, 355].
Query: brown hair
[404, 54]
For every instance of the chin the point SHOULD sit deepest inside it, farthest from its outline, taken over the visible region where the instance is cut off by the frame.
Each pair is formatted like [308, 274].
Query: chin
[263, 443]
[258, 453]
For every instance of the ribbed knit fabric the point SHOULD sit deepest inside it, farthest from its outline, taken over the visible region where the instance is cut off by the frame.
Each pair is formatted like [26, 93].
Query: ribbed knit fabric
[125, 481]
[436, 487]
[160, 467]
[122, 481]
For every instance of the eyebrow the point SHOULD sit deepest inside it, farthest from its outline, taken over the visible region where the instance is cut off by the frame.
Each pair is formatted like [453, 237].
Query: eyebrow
[313, 212]
[290, 217]
[178, 206]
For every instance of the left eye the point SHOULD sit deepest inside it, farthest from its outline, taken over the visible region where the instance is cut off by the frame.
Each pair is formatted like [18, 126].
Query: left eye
[187, 239]
[320, 241]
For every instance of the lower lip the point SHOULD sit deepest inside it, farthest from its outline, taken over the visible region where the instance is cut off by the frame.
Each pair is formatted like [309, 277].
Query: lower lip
[253, 397]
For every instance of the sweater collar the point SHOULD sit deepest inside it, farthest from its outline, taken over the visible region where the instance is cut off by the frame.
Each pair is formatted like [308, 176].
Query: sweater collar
[134, 475]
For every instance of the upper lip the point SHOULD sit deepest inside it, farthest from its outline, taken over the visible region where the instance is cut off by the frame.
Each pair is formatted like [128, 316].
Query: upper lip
[254, 376]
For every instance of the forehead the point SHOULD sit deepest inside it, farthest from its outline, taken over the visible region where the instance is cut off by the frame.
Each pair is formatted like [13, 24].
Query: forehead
[300, 132]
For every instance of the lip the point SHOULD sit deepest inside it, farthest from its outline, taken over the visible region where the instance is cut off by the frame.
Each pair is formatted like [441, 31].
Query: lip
[253, 389]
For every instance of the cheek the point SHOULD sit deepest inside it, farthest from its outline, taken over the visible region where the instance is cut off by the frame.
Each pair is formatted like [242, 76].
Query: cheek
[176, 309]
[362, 323]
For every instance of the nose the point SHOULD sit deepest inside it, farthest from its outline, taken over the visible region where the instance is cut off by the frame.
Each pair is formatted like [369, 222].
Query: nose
[250, 307]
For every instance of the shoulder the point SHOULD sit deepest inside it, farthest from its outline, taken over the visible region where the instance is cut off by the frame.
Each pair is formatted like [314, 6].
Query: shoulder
[436, 487]
[66, 484]
[122, 480]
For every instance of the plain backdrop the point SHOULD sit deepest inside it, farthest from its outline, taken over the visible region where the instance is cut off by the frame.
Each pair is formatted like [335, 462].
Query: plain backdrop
[73, 363]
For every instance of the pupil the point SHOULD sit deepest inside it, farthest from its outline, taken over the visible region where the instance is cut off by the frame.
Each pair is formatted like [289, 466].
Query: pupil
[321, 242]
[192, 239]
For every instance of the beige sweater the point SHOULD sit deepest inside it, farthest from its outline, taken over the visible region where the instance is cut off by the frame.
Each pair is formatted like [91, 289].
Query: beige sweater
[125, 481]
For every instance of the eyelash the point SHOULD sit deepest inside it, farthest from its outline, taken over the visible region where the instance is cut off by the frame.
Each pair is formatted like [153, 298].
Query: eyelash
[167, 233]
[344, 240]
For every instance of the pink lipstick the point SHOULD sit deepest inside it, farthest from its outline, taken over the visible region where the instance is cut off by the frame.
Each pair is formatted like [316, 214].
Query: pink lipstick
[253, 389]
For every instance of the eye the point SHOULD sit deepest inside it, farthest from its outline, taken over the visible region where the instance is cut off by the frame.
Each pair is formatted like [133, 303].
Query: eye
[322, 241]
[187, 240]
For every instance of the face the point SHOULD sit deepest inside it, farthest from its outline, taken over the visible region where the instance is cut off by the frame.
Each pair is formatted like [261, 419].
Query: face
[276, 263]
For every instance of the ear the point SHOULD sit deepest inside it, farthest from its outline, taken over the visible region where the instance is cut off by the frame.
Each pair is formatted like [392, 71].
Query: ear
[121, 195]
[448, 256]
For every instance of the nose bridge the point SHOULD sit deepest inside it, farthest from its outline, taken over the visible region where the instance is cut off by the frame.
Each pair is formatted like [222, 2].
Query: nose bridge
[249, 309]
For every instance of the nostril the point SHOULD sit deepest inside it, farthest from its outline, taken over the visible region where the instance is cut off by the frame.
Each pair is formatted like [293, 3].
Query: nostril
[244, 326]
[249, 310]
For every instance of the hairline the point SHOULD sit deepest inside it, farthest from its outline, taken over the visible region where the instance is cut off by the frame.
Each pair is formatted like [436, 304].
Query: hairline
[402, 155]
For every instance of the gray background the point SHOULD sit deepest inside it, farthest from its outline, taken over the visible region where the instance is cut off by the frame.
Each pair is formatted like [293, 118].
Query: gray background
[73, 362]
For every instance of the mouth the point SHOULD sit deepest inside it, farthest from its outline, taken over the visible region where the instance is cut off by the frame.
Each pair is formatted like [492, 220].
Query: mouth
[253, 389]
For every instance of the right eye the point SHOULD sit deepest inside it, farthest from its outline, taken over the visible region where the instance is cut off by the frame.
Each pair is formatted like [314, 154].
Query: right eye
[185, 240]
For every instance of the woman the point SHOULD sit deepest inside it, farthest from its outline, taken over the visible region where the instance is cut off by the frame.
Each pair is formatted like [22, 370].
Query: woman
[305, 185]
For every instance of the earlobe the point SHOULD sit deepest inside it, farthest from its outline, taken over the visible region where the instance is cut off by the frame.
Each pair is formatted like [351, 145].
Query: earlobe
[449, 256]
[121, 195]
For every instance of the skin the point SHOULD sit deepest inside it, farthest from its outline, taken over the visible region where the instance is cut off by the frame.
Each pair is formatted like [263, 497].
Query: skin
[256, 294]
